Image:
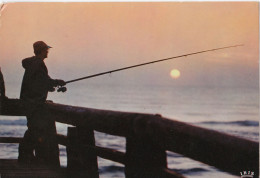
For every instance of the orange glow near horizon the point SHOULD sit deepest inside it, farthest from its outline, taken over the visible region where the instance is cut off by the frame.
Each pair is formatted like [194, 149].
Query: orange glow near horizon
[84, 35]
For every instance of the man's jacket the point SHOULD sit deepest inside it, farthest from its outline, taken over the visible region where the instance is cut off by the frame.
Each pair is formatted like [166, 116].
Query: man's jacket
[36, 81]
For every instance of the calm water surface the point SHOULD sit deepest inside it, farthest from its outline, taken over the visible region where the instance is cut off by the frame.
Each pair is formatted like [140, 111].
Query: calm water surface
[226, 109]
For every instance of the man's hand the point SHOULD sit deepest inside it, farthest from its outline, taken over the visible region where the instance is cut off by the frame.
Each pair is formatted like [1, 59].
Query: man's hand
[60, 82]
[51, 89]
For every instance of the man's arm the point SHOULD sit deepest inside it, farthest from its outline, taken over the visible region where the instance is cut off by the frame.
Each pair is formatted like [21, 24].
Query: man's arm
[54, 83]
[51, 83]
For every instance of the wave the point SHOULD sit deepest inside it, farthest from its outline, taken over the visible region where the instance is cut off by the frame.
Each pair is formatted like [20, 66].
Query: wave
[14, 122]
[111, 169]
[238, 123]
[190, 171]
[174, 155]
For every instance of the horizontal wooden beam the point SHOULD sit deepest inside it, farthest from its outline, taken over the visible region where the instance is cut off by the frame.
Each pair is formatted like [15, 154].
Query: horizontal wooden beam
[109, 154]
[62, 140]
[110, 122]
[10, 139]
[167, 173]
[102, 152]
[13, 169]
[223, 151]
[12, 107]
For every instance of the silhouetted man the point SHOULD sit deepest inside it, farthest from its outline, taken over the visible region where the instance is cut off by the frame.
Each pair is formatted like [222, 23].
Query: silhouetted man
[40, 135]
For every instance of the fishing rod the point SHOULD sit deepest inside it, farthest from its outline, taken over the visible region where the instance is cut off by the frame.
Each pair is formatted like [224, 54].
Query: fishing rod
[138, 65]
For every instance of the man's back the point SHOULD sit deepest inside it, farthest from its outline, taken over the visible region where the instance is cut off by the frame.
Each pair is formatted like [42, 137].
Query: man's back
[36, 81]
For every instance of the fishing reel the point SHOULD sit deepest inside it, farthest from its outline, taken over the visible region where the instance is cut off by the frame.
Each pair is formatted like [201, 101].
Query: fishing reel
[61, 89]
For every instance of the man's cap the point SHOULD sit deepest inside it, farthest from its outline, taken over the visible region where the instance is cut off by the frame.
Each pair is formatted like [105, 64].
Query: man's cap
[40, 45]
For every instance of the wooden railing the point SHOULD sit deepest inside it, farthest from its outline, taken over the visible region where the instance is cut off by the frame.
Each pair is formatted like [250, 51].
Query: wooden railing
[148, 137]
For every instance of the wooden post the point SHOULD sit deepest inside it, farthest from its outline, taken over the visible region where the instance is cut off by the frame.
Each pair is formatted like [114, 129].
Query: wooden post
[2, 90]
[145, 155]
[80, 159]
[144, 158]
[2, 84]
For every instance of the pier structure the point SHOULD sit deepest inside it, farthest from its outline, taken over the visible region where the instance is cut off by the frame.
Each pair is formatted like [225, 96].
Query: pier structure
[148, 137]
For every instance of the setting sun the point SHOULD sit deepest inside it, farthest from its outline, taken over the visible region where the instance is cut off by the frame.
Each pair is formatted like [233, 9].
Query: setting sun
[175, 73]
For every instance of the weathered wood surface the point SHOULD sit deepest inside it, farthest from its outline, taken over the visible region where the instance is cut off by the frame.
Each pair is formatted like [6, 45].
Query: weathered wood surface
[107, 153]
[102, 152]
[2, 85]
[226, 152]
[10, 139]
[9, 168]
[79, 157]
[2, 90]
[144, 158]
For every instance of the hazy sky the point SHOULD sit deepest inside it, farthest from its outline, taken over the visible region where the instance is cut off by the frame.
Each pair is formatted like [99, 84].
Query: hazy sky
[89, 38]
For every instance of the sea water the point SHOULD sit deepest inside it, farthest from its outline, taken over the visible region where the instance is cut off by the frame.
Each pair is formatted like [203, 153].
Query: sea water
[232, 110]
